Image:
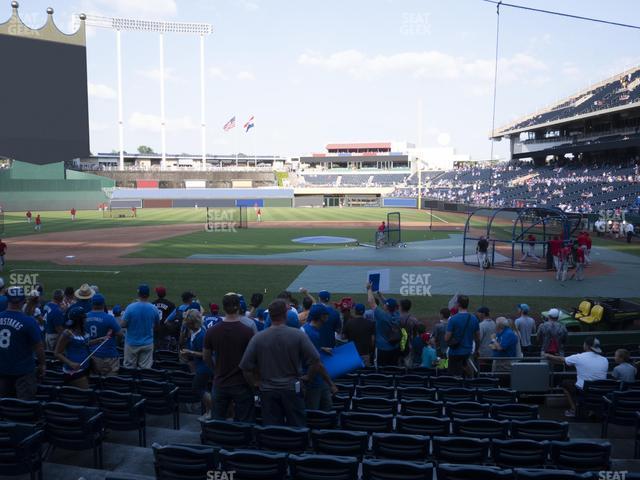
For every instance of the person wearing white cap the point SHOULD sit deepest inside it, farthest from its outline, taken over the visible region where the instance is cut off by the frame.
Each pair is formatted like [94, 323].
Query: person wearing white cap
[552, 335]
[590, 365]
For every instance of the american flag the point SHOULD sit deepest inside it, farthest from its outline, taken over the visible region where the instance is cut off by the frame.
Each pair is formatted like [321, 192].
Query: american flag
[249, 125]
[230, 124]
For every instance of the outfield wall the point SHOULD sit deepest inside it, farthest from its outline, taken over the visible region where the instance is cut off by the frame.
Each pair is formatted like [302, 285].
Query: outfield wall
[25, 186]
[211, 179]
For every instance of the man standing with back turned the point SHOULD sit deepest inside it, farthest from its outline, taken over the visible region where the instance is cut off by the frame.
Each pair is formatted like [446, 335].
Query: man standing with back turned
[462, 331]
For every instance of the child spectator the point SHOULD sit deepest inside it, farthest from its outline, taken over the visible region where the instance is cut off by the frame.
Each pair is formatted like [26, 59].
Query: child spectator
[429, 355]
[624, 371]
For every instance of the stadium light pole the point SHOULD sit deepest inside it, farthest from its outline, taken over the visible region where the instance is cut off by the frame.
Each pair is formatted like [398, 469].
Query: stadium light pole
[120, 24]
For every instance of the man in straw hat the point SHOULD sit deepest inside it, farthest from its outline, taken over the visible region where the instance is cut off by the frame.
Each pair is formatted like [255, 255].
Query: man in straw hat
[590, 365]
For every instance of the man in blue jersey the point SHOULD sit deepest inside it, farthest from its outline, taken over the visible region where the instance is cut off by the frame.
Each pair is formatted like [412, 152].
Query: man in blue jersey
[106, 359]
[332, 324]
[140, 318]
[318, 389]
[462, 331]
[213, 318]
[387, 329]
[292, 315]
[19, 339]
[54, 320]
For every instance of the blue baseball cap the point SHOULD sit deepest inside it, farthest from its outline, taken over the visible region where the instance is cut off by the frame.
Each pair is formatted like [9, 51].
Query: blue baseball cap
[391, 303]
[316, 311]
[98, 300]
[360, 308]
[116, 310]
[524, 307]
[194, 306]
[144, 290]
[324, 295]
[16, 294]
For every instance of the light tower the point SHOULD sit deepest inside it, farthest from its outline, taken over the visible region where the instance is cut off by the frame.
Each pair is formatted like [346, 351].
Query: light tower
[120, 24]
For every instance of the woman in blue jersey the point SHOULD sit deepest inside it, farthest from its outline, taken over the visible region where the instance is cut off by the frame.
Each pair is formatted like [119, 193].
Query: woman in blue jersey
[193, 351]
[72, 349]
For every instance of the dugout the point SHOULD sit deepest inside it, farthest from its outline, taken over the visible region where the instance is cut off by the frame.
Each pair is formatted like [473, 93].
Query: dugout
[508, 231]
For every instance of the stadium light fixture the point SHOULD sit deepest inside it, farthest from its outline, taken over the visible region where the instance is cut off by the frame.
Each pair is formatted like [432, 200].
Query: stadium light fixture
[161, 27]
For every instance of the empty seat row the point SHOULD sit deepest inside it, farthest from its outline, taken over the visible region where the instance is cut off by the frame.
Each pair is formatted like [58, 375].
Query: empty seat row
[417, 380]
[193, 461]
[453, 394]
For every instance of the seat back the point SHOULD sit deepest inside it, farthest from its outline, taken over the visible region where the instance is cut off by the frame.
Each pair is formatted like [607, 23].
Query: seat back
[339, 442]
[20, 448]
[227, 435]
[400, 446]
[460, 450]
[119, 384]
[514, 411]
[76, 396]
[497, 396]
[281, 439]
[376, 379]
[374, 405]
[320, 467]
[456, 394]
[422, 425]
[449, 471]
[416, 393]
[584, 309]
[366, 422]
[445, 382]
[481, 428]
[375, 391]
[412, 380]
[69, 426]
[428, 408]
[153, 374]
[623, 406]
[186, 462]
[520, 453]
[548, 474]
[482, 382]
[466, 410]
[158, 395]
[254, 464]
[21, 411]
[319, 419]
[540, 430]
[374, 469]
[581, 456]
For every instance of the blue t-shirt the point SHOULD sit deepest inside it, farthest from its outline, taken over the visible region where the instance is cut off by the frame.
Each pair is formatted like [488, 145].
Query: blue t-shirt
[429, 357]
[4, 303]
[18, 335]
[417, 346]
[211, 321]
[315, 335]
[53, 317]
[77, 350]
[97, 325]
[195, 343]
[384, 321]
[330, 326]
[456, 325]
[178, 314]
[140, 318]
[508, 340]
[292, 319]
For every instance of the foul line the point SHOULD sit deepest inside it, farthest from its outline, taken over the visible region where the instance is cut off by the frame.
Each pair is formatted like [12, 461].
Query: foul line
[436, 216]
[115, 272]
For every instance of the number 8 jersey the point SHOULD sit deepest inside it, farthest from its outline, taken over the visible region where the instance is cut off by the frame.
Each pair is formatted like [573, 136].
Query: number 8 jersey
[19, 333]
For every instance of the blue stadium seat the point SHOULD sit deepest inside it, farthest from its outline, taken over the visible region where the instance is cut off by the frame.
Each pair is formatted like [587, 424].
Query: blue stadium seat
[253, 464]
[228, 435]
[373, 469]
[183, 461]
[322, 467]
[340, 442]
[399, 446]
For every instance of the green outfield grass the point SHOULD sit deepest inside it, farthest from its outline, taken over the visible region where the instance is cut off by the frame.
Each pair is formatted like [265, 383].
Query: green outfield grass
[263, 241]
[15, 222]
[211, 282]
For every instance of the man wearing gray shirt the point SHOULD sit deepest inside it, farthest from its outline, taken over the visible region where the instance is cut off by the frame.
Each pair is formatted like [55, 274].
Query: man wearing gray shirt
[527, 327]
[487, 330]
[273, 362]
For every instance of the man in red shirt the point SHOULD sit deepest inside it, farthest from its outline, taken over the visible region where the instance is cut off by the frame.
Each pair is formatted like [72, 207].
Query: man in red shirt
[580, 261]
[3, 251]
[380, 234]
[565, 258]
[556, 245]
[38, 223]
[530, 249]
[28, 216]
[259, 214]
[73, 214]
[587, 256]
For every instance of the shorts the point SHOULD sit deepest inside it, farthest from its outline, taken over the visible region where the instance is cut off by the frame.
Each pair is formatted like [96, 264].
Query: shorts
[107, 366]
[22, 387]
[70, 377]
[200, 383]
[571, 388]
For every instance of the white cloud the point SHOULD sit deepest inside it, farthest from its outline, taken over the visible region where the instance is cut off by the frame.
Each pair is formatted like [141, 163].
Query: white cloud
[103, 92]
[151, 123]
[132, 8]
[216, 72]
[154, 74]
[426, 64]
[245, 76]
[247, 5]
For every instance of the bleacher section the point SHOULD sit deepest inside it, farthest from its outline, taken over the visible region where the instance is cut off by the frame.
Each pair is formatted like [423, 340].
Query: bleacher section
[373, 178]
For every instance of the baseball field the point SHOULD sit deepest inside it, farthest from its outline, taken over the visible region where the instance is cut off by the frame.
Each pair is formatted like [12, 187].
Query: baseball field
[171, 247]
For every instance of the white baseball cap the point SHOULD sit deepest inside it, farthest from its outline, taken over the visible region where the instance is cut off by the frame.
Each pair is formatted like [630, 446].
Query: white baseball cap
[554, 313]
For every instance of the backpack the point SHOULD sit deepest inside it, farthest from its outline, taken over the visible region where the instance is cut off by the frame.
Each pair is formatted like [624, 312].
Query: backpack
[395, 334]
[553, 348]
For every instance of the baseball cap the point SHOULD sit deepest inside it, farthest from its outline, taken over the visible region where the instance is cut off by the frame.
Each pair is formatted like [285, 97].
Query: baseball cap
[360, 308]
[143, 290]
[15, 294]
[161, 291]
[483, 310]
[194, 306]
[391, 303]
[98, 300]
[524, 307]
[324, 295]
[593, 344]
[553, 313]
[214, 307]
[116, 310]
[317, 311]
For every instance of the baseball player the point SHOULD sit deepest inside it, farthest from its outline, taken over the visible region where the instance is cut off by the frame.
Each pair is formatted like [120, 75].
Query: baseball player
[3, 251]
[259, 214]
[531, 248]
[380, 234]
[28, 215]
[73, 214]
[38, 223]
[565, 257]
[482, 249]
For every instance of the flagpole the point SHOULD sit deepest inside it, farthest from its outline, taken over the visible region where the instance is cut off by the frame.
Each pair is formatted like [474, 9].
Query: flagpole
[236, 138]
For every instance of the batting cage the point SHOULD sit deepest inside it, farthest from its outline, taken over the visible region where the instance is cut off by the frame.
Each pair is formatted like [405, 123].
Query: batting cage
[221, 219]
[392, 235]
[518, 238]
[119, 212]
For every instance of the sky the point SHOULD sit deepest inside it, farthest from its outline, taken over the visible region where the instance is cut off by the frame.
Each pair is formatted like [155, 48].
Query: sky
[340, 70]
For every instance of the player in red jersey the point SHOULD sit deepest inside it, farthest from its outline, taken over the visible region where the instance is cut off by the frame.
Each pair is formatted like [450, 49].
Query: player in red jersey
[28, 215]
[73, 214]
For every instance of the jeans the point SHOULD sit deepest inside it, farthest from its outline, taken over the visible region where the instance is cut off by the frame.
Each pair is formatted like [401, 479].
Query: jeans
[318, 397]
[283, 407]
[241, 396]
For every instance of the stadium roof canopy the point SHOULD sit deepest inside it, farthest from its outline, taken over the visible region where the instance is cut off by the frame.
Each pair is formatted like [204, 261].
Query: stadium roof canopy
[361, 146]
[617, 93]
